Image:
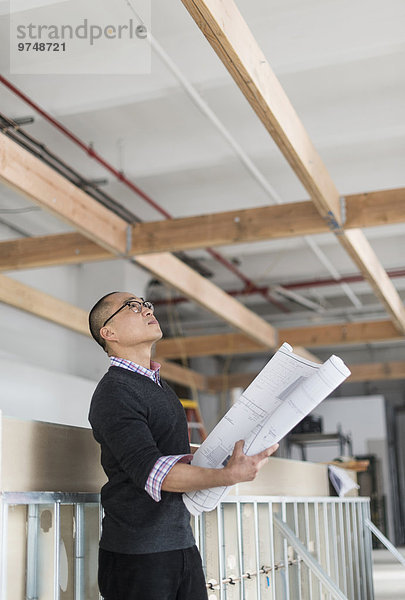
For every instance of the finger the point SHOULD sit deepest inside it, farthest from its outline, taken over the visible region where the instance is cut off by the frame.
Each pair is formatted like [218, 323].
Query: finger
[238, 448]
[267, 452]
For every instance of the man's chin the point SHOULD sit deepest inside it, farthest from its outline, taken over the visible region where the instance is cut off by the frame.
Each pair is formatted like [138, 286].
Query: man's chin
[159, 334]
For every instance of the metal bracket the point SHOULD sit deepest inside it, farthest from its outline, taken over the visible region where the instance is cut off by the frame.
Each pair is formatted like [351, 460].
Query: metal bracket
[129, 239]
[330, 218]
[343, 215]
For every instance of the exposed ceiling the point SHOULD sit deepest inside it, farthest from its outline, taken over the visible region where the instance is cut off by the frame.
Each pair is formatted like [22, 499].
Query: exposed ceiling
[341, 65]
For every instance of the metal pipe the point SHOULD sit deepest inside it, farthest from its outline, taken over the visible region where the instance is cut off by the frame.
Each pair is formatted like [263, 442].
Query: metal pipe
[32, 552]
[248, 282]
[310, 283]
[317, 540]
[342, 547]
[349, 533]
[326, 536]
[56, 552]
[297, 533]
[79, 552]
[307, 540]
[20, 498]
[356, 562]
[221, 553]
[272, 550]
[257, 549]
[285, 551]
[240, 547]
[4, 548]
[363, 571]
[335, 561]
[202, 547]
[332, 270]
[379, 534]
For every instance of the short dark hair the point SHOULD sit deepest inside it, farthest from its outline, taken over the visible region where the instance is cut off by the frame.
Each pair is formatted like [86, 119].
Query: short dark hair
[97, 316]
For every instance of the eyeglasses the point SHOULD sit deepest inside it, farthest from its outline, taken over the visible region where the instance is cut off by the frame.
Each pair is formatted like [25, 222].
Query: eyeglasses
[135, 305]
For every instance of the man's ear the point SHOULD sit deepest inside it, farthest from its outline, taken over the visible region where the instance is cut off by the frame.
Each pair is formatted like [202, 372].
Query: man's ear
[108, 334]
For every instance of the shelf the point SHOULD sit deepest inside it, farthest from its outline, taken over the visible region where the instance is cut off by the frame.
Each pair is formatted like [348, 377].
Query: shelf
[302, 440]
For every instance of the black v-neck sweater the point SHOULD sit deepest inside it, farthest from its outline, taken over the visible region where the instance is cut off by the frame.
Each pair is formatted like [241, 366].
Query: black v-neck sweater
[136, 421]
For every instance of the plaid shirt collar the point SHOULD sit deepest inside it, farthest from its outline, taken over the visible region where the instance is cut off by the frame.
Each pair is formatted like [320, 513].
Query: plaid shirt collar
[153, 373]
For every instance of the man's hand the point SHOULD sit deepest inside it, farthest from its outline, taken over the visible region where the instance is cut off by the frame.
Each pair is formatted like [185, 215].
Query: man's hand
[187, 478]
[245, 468]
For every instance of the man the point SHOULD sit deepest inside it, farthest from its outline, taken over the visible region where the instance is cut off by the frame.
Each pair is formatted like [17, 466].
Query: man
[147, 550]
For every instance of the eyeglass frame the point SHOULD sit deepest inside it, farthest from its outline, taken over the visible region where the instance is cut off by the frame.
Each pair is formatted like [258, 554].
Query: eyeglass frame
[142, 303]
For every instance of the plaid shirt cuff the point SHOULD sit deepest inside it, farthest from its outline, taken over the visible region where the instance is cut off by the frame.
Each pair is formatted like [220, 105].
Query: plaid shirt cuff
[159, 471]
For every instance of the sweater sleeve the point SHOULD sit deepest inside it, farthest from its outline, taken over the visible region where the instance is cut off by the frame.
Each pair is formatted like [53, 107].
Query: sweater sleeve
[120, 425]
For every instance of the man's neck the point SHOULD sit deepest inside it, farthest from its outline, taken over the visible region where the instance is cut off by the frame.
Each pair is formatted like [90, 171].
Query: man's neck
[139, 356]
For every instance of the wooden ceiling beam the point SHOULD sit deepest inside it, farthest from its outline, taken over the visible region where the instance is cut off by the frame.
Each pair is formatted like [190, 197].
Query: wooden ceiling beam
[50, 250]
[28, 175]
[35, 302]
[227, 32]
[229, 381]
[225, 228]
[171, 270]
[265, 223]
[183, 375]
[377, 371]
[230, 37]
[62, 313]
[207, 345]
[372, 209]
[362, 332]
[24, 172]
[310, 337]
[363, 255]
[253, 224]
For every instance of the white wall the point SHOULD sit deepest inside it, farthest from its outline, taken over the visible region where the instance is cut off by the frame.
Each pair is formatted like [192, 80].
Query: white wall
[47, 372]
[363, 417]
[93, 282]
[33, 339]
[35, 393]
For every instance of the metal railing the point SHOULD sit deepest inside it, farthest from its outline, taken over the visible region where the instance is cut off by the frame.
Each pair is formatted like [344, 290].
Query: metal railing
[253, 548]
[258, 548]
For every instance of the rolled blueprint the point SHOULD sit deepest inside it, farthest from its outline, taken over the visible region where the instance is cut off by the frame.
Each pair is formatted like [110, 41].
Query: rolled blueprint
[287, 389]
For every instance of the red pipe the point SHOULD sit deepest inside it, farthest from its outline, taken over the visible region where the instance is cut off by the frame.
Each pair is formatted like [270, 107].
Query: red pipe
[393, 273]
[249, 285]
[119, 175]
[86, 148]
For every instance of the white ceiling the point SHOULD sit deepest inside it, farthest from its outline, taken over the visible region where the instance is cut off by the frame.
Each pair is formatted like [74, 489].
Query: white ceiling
[342, 64]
